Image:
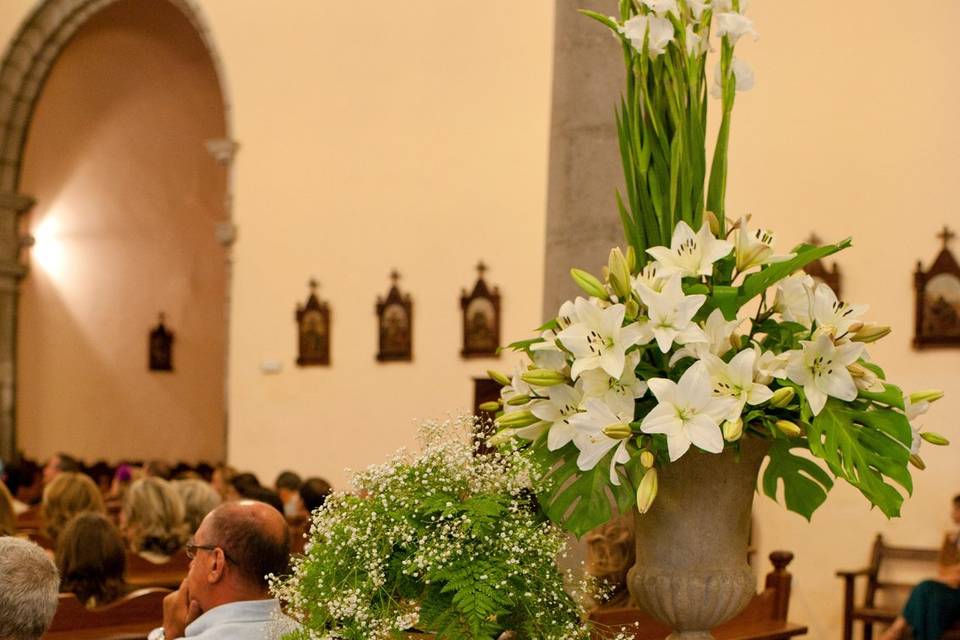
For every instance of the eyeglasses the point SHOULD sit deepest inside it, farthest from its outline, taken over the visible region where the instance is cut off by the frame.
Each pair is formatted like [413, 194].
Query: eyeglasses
[192, 547]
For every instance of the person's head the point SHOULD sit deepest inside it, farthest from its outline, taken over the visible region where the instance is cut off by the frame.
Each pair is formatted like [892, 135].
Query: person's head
[236, 547]
[91, 559]
[313, 493]
[67, 495]
[241, 485]
[956, 509]
[199, 498]
[8, 519]
[152, 517]
[222, 478]
[28, 590]
[158, 469]
[262, 494]
[25, 480]
[57, 464]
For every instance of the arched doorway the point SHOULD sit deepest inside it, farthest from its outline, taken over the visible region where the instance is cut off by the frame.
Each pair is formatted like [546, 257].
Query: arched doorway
[111, 111]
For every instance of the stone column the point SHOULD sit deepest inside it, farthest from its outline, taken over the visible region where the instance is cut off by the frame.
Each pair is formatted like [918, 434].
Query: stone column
[12, 206]
[582, 219]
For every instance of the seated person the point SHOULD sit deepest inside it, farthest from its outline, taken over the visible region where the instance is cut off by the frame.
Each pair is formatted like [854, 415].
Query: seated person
[287, 487]
[225, 594]
[91, 559]
[67, 495]
[313, 493]
[241, 485]
[25, 482]
[152, 519]
[933, 605]
[60, 463]
[28, 590]
[8, 517]
[222, 479]
[199, 498]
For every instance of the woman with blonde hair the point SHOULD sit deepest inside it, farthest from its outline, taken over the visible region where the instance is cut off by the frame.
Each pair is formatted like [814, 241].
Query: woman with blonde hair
[199, 499]
[67, 495]
[91, 559]
[8, 519]
[152, 519]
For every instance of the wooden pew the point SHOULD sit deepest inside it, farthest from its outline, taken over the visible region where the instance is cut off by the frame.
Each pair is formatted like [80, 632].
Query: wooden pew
[765, 618]
[143, 573]
[131, 617]
[30, 519]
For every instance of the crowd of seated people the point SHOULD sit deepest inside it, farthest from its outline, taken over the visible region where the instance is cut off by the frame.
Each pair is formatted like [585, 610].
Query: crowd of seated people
[96, 522]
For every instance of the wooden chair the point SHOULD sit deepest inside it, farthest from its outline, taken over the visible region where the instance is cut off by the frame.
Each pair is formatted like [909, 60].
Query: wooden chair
[765, 618]
[143, 573]
[869, 613]
[132, 616]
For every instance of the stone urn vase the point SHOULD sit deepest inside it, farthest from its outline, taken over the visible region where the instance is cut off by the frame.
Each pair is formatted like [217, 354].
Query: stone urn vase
[691, 570]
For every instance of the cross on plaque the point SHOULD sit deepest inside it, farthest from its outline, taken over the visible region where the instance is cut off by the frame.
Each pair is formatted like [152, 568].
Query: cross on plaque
[946, 235]
[395, 277]
[313, 285]
[481, 269]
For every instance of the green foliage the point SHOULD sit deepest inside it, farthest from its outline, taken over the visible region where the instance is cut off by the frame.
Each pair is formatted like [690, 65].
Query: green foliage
[805, 484]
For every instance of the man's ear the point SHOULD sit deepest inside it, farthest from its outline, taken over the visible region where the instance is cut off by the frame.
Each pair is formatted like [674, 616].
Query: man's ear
[217, 567]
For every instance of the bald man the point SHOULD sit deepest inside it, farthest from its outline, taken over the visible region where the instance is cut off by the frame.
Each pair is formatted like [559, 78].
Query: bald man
[225, 594]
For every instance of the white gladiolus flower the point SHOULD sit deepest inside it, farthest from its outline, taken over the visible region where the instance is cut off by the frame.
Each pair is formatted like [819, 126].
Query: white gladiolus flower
[821, 368]
[670, 316]
[734, 26]
[562, 403]
[598, 339]
[688, 412]
[772, 365]
[743, 76]
[662, 7]
[593, 443]
[697, 7]
[718, 330]
[832, 316]
[726, 6]
[657, 31]
[691, 254]
[696, 45]
[755, 249]
[736, 380]
[794, 301]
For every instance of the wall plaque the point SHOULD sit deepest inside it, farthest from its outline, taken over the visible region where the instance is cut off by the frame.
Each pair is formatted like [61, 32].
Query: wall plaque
[938, 299]
[481, 319]
[313, 330]
[395, 324]
[160, 348]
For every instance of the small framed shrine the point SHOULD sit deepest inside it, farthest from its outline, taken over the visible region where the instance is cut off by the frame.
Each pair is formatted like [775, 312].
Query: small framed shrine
[313, 330]
[938, 299]
[160, 347]
[481, 319]
[395, 324]
[819, 271]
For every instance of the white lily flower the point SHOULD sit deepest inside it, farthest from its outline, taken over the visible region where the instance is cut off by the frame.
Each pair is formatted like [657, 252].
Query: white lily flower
[662, 7]
[691, 254]
[794, 300]
[652, 276]
[755, 249]
[660, 31]
[832, 316]
[865, 378]
[562, 403]
[598, 339]
[736, 380]
[742, 74]
[726, 6]
[670, 316]
[593, 443]
[718, 330]
[821, 368]
[914, 410]
[697, 7]
[517, 387]
[546, 354]
[596, 383]
[567, 314]
[772, 365]
[734, 26]
[688, 412]
[696, 44]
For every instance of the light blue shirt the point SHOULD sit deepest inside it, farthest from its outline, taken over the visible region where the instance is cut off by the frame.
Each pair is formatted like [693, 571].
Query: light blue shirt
[245, 620]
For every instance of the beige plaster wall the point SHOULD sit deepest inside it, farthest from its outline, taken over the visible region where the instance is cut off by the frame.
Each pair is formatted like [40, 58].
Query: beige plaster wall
[127, 202]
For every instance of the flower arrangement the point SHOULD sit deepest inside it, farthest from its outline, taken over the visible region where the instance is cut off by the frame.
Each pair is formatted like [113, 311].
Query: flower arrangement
[445, 541]
[700, 334]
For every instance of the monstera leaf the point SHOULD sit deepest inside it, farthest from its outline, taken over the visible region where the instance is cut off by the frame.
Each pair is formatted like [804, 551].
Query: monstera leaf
[866, 445]
[805, 484]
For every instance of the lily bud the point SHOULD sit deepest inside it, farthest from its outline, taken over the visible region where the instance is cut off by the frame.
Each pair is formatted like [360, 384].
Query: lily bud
[618, 431]
[589, 283]
[498, 377]
[934, 438]
[917, 461]
[871, 333]
[713, 221]
[619, 273]
[631, 259]
[490, 407]
[633, 309]
[543, 377]
[782, 397]
[647, 459]
[517, 419]
[647, 491]
[733, 430]
[790, 429]
[518, 401]
[855, 327]
[501, 437]
[930, 395]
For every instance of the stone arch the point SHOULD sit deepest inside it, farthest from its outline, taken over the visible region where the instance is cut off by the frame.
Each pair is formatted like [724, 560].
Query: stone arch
[30, 56]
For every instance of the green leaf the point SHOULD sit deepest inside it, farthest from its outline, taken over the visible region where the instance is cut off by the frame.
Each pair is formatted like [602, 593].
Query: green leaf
[757, 283]
[599, 17]
[892, 396]
[805, 483]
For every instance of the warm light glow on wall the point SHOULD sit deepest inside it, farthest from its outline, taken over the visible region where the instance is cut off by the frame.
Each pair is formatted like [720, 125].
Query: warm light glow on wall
[48, 249]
